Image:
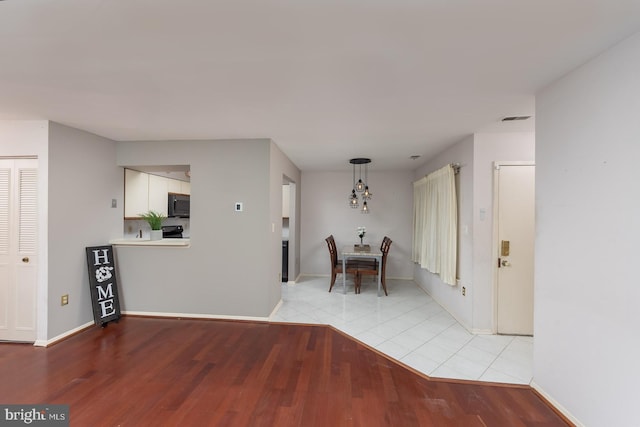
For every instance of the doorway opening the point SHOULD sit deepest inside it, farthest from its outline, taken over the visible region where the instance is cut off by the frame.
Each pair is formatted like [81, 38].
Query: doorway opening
[289, 222]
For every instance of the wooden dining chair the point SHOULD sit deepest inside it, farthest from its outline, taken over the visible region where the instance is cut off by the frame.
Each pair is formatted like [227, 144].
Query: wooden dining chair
[370, 267]
[336, 264]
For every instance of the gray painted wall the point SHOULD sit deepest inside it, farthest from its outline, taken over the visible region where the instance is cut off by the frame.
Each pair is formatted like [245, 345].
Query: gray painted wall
[78, 178]
[31, 138]
[280, 167]
[229, 268]
[83, 179]
[325, 211]
[587, 349]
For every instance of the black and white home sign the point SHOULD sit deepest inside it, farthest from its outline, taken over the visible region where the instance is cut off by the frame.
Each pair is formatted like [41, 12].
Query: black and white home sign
[104, 286]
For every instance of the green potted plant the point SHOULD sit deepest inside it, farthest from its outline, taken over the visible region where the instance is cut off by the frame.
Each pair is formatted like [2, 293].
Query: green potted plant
[155, 222]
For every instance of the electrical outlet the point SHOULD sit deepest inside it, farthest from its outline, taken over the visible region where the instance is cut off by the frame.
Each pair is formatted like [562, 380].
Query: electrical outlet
[64, 299]
[464, 291]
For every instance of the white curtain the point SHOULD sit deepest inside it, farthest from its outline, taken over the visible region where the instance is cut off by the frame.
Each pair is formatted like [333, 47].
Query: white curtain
[435, 223]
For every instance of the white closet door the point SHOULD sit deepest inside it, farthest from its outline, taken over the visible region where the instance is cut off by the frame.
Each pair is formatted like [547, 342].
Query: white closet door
[18, 249]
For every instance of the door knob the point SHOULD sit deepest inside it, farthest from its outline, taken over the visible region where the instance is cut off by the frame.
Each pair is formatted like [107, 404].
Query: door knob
[505, 263]
[25, 259]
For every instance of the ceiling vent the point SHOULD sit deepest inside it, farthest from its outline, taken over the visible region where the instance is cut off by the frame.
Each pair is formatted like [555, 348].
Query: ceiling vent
[514, 118]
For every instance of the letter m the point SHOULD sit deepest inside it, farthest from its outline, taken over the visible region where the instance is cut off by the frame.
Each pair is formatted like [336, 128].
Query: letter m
[105, 293]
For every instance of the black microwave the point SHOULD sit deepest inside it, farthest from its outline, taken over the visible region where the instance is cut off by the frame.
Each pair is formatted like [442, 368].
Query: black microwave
[178, 205]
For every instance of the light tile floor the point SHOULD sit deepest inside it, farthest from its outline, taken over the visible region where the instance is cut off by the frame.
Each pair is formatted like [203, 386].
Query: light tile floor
[409, 326]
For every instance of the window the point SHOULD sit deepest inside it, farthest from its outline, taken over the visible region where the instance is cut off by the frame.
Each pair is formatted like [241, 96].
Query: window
[435, 223]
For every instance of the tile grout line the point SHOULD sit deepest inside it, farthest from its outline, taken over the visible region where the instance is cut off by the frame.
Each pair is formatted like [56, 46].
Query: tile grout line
[454, 353]
[497, 357]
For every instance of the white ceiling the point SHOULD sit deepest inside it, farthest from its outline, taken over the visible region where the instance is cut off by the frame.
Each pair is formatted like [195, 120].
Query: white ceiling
[326, 80]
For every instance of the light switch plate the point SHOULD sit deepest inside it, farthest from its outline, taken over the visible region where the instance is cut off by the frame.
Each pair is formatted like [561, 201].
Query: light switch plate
[114, 203]
[238, 207]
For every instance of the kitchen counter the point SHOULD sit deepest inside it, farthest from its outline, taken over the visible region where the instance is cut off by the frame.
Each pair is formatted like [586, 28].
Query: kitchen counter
[145, 242]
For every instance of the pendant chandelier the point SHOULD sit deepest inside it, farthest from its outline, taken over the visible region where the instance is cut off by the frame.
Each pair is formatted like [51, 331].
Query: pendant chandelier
[361, 186]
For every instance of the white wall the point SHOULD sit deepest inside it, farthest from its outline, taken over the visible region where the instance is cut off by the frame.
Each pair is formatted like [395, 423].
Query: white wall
[325, 211]
[476, 155]
[488, 148]
[587, 349]
[450, 297]
[83, 179]
[30, 138]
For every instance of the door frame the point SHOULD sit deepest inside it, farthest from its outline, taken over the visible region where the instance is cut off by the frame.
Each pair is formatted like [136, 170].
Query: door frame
[293, 223]
[495, 239]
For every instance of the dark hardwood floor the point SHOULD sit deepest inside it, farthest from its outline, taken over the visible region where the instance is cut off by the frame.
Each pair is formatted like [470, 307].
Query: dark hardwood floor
[171, 372]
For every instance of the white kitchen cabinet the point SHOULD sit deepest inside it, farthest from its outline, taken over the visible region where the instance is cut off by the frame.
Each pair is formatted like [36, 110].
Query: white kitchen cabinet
[144, 192]
[158, 191]
[185, 187]
[286, 200]
[136, 195]
[174, 186]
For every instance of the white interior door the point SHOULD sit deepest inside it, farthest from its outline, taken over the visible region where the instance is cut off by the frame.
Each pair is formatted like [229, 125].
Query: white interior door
[18, 249]
[516, 237]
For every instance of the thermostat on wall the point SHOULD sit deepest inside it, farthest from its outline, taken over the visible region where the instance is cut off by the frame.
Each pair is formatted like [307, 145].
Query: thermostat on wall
[238, 206]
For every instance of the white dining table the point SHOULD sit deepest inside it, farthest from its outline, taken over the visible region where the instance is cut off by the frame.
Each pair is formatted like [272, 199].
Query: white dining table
[351, 252]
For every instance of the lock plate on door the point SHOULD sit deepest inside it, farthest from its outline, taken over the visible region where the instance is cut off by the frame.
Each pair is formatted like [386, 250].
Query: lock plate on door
[504, 248]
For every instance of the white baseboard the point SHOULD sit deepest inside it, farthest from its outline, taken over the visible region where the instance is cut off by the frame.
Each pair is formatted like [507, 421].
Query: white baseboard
[195, 316]
[482, 332]
[47, 343]
[275, 309]
[463, 324]
[556, 405]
